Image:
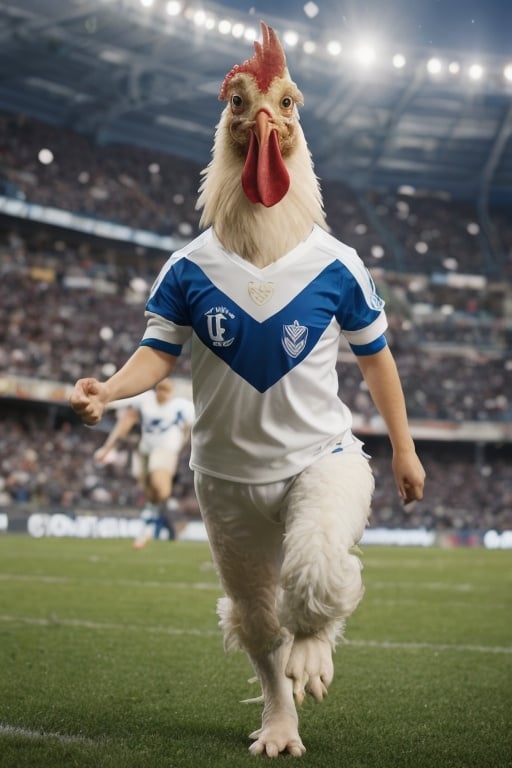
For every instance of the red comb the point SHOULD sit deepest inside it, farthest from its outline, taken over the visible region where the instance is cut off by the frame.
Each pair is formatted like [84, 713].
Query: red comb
[268, 62]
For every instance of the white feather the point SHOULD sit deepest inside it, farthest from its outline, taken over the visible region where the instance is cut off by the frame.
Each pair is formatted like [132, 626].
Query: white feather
[256, 233]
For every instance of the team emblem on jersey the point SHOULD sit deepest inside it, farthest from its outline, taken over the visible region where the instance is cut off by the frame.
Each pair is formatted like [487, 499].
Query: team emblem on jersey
[375, 300]
[294, 338]
[217, 318]
[260, 293]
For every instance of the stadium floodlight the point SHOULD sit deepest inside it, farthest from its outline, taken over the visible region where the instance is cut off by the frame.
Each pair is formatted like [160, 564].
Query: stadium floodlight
[334, 47]
[399, 61]
[434, 66]
[210, 22]
[507, 73]
[147, 3]
[311, 10]
[454, 67]
[199, 18]
[224, 27]
[365, 54]
[291, 38]
[309, 47]
[250, 34]
[238, 30]
[173, 8]
[476, 72]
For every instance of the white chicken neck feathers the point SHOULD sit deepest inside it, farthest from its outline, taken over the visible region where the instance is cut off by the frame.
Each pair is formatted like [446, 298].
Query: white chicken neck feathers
[259, 234]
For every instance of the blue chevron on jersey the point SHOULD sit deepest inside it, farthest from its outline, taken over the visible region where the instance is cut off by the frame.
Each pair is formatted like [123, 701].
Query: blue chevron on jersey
[264, 350]
[260, 352]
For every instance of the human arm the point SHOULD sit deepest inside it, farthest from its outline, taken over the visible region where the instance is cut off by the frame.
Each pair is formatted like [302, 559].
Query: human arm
[142, 371]
[381, 375]
[125, 421]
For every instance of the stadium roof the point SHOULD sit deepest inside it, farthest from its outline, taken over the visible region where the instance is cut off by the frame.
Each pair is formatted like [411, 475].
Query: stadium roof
[147, 73]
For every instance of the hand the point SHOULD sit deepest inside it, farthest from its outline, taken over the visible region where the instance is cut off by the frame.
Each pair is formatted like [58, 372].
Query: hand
[88, 400]
[101, 454]
[409, 475]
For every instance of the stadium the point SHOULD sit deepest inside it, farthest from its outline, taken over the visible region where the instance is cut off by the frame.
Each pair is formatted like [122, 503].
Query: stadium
[108, 110]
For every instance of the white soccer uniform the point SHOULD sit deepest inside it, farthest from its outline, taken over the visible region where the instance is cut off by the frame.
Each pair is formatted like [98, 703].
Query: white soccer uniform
[264, 350]
[163, 425]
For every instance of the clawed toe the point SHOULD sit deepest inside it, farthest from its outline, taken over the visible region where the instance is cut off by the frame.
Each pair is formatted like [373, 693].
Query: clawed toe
[272, 747]
[310, 667]
[277, 734]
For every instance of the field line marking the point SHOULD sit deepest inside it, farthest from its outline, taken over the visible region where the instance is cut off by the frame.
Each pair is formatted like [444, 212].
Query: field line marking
[212, 585]
[387, 644]
[26, 733]
[383, 644]
[199, 585]
[84, 624]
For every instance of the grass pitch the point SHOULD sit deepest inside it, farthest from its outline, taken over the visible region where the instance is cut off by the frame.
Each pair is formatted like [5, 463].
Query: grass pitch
[111, 658]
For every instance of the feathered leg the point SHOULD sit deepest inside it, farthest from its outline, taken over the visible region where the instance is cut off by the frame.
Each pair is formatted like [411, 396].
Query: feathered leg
[326, 513]
[247, 550]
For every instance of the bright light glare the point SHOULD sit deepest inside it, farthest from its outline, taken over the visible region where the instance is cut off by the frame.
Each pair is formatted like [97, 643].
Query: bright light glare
[365, 55]
[210, 22]
[45, 156]
[291, 38]
[237, 30]
[250, 34]
[199, 18]
[334, 48]
[309, 46]
[507, 73]
[434, 66]
[454, 67]
[399, 61]
[173, 8]
[476, 72]
[311, 10]
[224, 27]
[146, 3]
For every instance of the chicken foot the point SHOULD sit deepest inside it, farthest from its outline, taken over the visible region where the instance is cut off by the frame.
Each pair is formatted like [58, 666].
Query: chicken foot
[279, 730]
[310, 667]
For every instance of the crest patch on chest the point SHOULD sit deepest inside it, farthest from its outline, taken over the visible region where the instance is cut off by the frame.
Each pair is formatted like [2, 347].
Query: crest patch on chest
[260, 293]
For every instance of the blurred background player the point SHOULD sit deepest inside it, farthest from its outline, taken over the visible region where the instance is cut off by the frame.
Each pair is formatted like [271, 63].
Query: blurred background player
[165, 422]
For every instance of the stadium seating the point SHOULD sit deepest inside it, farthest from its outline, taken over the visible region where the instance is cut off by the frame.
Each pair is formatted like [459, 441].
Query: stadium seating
[73, 305]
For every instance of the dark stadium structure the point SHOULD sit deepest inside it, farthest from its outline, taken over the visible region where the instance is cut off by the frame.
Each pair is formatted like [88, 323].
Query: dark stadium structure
[121, 72]
[414, 152]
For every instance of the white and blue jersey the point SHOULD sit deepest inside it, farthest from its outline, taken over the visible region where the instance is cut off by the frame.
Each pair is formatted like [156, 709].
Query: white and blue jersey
[162, 425]
[264, 350]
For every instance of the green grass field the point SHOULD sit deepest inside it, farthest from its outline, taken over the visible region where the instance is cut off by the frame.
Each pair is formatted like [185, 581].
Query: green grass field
[111, 658]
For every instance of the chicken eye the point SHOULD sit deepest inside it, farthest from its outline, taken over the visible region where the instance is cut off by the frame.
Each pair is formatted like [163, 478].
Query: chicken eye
[237, 101]
[286, 102]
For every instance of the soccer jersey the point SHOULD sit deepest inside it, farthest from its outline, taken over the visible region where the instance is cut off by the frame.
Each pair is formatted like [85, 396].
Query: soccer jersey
[163, 425]
[264, 350]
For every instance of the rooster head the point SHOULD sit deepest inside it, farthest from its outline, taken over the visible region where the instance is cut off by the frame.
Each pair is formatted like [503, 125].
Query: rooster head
[259, 191]
[261, 116]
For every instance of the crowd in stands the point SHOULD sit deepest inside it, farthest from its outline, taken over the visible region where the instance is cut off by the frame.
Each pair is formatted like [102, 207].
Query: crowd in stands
[152, 190]
[52, 469]
[70, 310]
[51, 166]
[73, 305]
